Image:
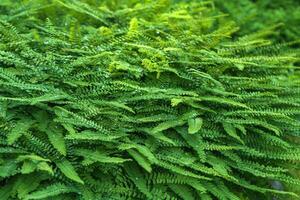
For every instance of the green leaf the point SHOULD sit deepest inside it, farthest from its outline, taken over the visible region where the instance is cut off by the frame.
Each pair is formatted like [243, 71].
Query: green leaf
[91, 135]
[162, 137]
[195, 125]
[27, 183]
[140, 159]
[168, 124]
[28, 167]
[3, 108]
[145, 151]
[226, 101]
[56, 138]
[181, 170]
[32, 158]
[195, 142]
[98, 156]
[175, 102]
[43, 166]
[68, 170]
[50, 191]
[21, 127]
[232, 132]
[48, 98]
[137, 177]
[6, 191]
[8, 169]
[183, 191]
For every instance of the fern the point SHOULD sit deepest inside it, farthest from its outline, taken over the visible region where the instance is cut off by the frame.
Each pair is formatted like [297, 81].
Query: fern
[68, 170]
[50, 191]
[164, 99]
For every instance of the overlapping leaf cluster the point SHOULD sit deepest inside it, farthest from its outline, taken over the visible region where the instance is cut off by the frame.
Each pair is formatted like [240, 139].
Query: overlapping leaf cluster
[142, 100]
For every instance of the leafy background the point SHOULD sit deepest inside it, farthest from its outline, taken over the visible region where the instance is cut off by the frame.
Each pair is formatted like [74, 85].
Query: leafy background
[149, 99]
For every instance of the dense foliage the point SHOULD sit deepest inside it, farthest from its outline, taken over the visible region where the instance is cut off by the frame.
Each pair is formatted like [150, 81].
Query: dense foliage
[120, 99]
[253, 15]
